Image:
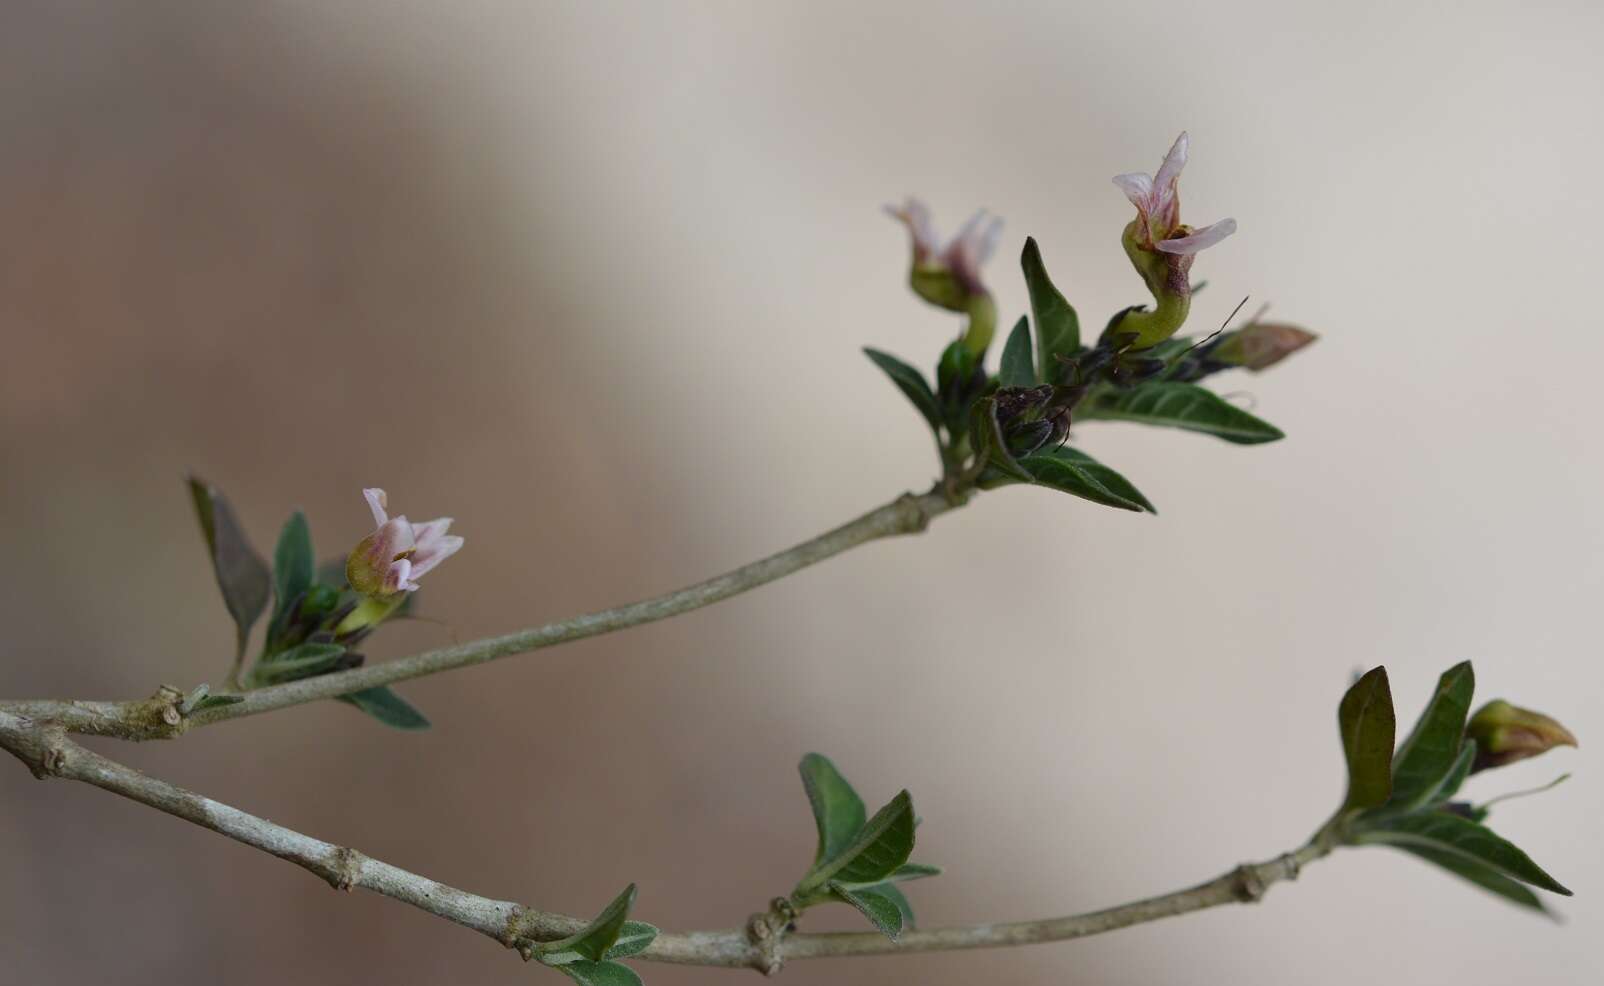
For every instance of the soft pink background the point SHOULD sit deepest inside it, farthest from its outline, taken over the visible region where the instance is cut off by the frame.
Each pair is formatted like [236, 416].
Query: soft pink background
[592, 278]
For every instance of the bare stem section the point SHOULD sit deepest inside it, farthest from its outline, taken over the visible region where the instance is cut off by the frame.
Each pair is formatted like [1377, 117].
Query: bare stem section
[46, 748]
[159, 718]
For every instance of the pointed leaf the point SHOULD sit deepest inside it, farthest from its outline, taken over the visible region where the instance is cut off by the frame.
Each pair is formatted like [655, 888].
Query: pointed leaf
[1483, 876]
[592, 942]
[1366, 719]
[838, 812]
[634, 939]
[1072, 471]
[1461, 837]
[241, 573]
[1057, 325]
[1428, 755]
[881, 847]
[1017, 367]
[896, 896]
[1182, 405]
[389, 708]
[914, 871]
[293, 566]
[875, 905]
[911, 382]
[302, 661]
[600, 973]
[1456, 775]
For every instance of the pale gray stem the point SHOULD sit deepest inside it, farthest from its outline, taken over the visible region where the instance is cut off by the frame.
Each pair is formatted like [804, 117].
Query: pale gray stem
[47, 750]
[149, 719]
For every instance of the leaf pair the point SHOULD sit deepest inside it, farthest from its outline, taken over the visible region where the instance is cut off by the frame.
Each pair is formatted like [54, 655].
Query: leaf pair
[859, 860]
[589, 957]
[1402, 798]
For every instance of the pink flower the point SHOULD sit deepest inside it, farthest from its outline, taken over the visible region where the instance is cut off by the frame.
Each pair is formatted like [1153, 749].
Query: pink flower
[398, 552]
[963, 256]
[1158, 208]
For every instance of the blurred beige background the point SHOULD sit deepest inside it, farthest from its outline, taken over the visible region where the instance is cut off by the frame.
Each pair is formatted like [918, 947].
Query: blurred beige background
[592, 279]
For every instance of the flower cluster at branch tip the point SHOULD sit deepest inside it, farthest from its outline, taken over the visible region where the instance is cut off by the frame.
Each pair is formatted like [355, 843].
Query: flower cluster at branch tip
[1158, 223]
[948, 275]
[398, 553]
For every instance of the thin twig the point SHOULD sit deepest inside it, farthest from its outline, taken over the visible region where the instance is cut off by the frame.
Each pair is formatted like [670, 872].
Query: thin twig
[48, 751]
[152, 718]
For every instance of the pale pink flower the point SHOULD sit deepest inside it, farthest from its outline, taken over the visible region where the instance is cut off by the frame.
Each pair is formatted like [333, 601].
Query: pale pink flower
[963, 256]
[1158, 207]
[398, 552]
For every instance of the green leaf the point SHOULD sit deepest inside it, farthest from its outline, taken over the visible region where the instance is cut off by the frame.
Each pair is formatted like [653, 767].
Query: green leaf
[1072, 471]
[1367, 724]
[214, 701]
[1483, 876]
[1460, 837]
[896, 896]
[241, 573]
[879, 849]
[331, 572]
[877, 906]
[592, 942]
[293, 566]
[1182, 405]
[634, 939]
[600, 974]
[1017, 367]
[389, 708]
[1057, 325]
[301, 661]
[1427, 757]
[911, 382]
[838, 812]
[913, 871]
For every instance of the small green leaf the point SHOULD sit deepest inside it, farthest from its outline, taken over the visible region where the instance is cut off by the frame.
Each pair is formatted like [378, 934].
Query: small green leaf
[214, 701]
[838, 812]
[634, 939]
[881, 847]
[911, 382]
[600, 973]
[1057, 325]
[913, 871]
[1072, 471]
[301, 661]
[293, 566]
[331, 572]
[592, 942]
[876, 905]
[1426, 758]
[896, 896]
[1483, 876]
[1181, 405]
[1460, 837]
[241, 573]
[1017, 367]
[389, 708]
[1367, 724]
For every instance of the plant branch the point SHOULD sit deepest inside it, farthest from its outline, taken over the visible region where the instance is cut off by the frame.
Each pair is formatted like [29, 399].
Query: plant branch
[48, 751]
[156, 718]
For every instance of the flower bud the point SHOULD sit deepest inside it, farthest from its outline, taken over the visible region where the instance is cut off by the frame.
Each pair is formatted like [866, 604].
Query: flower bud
[1258, 346]
[1506, 733]
[948, 276]
[1162, 248]
[1030, 419]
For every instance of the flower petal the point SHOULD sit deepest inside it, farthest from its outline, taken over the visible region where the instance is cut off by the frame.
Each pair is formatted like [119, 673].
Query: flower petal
[1200, 239]
[1138, 188]
[426, 533]
[399, 577]
[916, 216]
[436, 551]
[1174, 161]
[377, 502]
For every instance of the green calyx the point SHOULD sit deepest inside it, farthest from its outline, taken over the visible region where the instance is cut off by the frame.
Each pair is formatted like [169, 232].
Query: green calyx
[1168, 277]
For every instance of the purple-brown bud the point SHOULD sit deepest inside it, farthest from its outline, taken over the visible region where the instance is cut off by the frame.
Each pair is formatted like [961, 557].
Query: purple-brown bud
[1506, 733]
[1260, 345]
